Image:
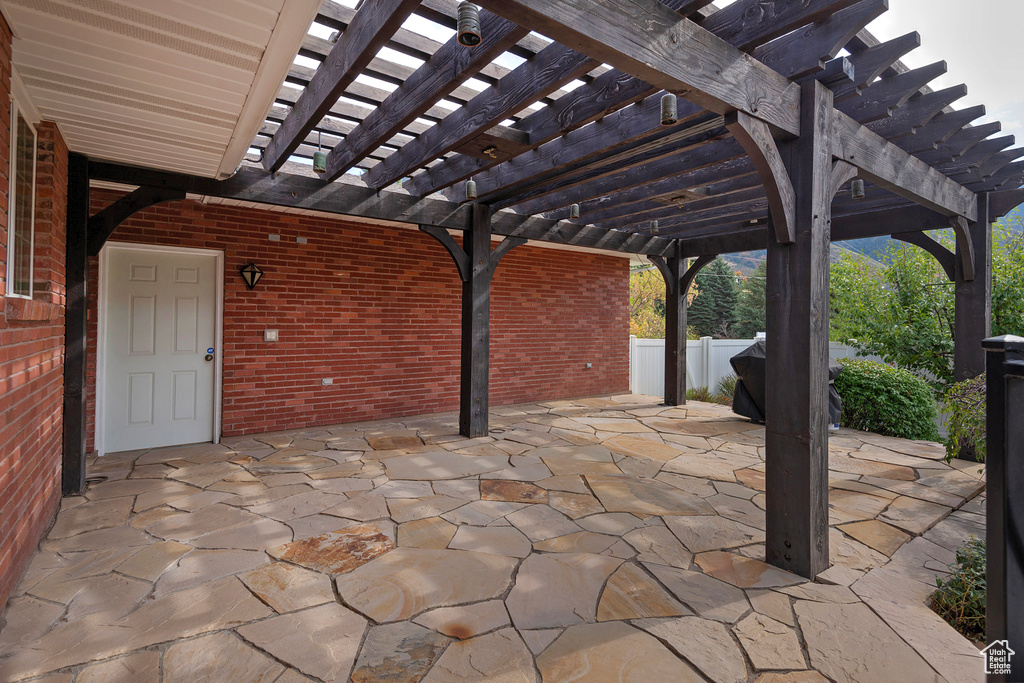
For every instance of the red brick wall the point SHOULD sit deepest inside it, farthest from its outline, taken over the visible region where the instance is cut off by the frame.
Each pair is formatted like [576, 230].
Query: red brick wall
[377, 310]
[31, 354]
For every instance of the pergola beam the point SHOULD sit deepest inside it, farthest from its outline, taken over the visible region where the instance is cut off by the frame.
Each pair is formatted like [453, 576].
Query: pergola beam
[445, 70]
[349, 196]
[890, 167]
[549, 70]
[374, 23]
[675, 55]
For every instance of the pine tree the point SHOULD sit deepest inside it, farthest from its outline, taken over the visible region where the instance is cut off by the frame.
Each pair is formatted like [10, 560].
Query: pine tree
[712, 313]
[751, 308]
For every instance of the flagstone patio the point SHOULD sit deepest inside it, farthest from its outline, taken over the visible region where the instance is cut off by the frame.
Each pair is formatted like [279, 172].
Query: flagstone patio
[610, 539]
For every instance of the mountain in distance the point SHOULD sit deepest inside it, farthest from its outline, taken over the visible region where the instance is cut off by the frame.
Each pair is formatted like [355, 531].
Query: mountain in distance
[874, 248]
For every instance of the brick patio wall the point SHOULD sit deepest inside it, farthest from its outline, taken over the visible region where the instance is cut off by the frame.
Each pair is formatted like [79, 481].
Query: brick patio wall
[31, 353]
[376, 309]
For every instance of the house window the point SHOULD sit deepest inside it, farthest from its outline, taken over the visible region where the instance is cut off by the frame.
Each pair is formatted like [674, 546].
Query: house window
[21, 204]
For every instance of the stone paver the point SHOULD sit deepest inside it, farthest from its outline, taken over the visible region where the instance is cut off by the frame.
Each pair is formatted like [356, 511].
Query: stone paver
[631, 594]
[595, 539]
[466, 621]
[406, 581]
[338, 552]
[220, 657]
[501, 657]
[398, 653]
[558, 589]
[613, 651]
[288, 588]
[769, 643]
[322, 641]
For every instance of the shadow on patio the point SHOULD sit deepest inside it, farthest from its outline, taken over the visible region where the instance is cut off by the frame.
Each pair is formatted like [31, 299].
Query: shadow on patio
[615, 537]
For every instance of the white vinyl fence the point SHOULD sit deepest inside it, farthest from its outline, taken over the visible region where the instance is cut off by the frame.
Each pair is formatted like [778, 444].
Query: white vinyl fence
[707, 362]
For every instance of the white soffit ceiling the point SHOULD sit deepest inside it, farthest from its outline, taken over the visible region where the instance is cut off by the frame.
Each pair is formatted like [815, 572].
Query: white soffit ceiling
[178, 85]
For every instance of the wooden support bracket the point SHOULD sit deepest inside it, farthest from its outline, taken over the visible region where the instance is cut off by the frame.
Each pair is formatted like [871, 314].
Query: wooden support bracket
[459, 255]
[1002, 203]
[756, 139]
[452, 247]
[666, 272]
[842, 173]
[504, 246]
[103, 224]
[965, 245]
[944, 256]
[687, 279]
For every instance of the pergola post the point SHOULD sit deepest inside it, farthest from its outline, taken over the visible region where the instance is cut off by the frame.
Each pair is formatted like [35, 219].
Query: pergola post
[1004, 513]
[973, 306]
[796, 437]
[476, 325]
[75, 317]
[675, 331]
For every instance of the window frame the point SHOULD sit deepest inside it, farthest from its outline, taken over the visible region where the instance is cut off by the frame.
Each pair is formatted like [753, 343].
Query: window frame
[17, 110]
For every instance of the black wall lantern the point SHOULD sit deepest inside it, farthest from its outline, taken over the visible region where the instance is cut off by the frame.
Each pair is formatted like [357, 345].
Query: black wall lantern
[251, 274]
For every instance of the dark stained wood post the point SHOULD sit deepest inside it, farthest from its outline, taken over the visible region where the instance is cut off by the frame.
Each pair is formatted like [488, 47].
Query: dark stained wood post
[797, 353]
[476, 325]
[1004, 514]
[973, 307]
[76, 279]
[675, 331]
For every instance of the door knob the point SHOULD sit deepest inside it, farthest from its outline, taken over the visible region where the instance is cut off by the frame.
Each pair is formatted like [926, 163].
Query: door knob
[209, 356]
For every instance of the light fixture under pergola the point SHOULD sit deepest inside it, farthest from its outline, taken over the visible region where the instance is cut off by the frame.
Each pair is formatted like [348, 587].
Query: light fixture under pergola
[251, 273]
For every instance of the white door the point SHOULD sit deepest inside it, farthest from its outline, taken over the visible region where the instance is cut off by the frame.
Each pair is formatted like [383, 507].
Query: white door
[159, 348]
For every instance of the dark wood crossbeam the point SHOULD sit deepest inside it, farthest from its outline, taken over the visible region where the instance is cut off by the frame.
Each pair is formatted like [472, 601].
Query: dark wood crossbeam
[959, 143]
[552, 68]
[977, 155]
[715, 75]
[872, 63]
[617, 172]
[558, 190]
[445, 70]
[684, 198]
[818, 42]
[373, 25]
[887, 94]
[623, 181]
[916, 112]
[844, 227]
[939, 129]
[622, 127]
[348, 196]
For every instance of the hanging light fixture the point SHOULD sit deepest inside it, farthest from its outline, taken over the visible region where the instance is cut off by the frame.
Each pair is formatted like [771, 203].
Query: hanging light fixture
[470, 189]
[857, 189]
[319, 158]
[574, 211]
[669, 110]
[251, 274]
[654, 227]
[469, 24]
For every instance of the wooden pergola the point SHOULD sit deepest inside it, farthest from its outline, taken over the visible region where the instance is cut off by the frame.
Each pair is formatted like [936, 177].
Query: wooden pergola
[771, 125]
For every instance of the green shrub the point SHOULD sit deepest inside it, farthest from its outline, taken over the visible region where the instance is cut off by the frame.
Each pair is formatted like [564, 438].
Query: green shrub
[964, 406]
[704, 394]
[886, 400]
[727, 387]
[960, 599]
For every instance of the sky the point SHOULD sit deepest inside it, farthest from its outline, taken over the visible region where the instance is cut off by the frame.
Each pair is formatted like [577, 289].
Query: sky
[980, 42]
